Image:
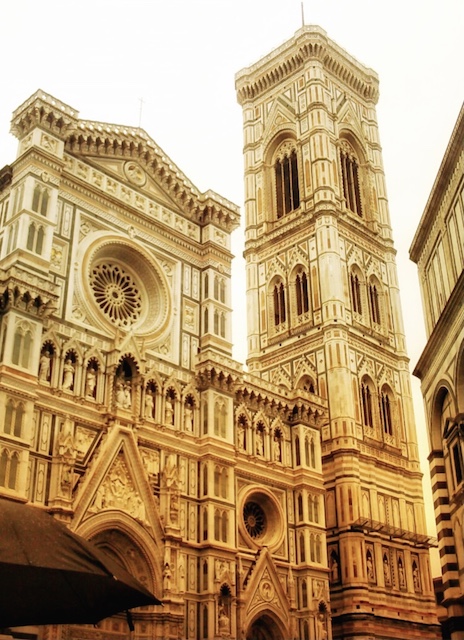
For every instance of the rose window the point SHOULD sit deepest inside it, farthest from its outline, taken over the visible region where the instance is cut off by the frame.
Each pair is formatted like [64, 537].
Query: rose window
[116, 293]
[255, 519]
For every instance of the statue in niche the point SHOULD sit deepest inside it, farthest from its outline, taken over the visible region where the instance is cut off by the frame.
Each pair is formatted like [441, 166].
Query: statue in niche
[188, 417]
[68, 374]
[386, 570]
[167, 577]
[169, 411]
[223, 621]
[416, 577]
[241, 436]
[277, 449]
[45, 366]
[401, 575]
[370, 566]
[259, 443]
[127, 396]
[321, 630]
[90, 382]
[334, 574]
[149, 405]
[120, 394]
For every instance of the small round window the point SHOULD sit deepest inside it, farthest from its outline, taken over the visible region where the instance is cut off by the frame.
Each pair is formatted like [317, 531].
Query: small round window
[262, 518]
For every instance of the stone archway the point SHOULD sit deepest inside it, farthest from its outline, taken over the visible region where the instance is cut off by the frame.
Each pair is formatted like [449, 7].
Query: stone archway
[264, 628]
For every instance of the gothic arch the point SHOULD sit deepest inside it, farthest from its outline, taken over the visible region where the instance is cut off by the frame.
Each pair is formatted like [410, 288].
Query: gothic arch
[443, 393]
[138, 553]
[459, 379]
[266, 625]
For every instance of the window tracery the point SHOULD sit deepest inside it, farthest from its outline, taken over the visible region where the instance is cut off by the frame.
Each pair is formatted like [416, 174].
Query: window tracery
[9, 463]
[287, 188]
[350, 178]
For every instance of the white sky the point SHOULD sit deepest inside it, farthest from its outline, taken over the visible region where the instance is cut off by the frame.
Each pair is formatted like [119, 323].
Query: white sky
[181, 56]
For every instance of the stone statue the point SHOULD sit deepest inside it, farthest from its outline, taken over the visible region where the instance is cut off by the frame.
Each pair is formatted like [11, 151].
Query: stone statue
[45, 366]
[149, 405]
[90, 383]
[68, 374]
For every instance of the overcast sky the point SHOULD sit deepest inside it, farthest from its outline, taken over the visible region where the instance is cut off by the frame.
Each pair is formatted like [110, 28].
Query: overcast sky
[180, 57]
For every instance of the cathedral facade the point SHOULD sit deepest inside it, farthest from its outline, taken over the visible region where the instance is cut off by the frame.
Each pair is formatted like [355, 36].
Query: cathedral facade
[280, 502]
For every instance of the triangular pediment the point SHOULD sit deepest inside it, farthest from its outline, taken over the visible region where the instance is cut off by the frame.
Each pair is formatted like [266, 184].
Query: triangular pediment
[281, 116]
[264, 589]
[114, 148]
[132, 172]
[348, 118]
[117, 480]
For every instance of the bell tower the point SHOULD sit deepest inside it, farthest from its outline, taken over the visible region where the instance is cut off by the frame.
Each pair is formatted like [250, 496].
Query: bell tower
[324, 315]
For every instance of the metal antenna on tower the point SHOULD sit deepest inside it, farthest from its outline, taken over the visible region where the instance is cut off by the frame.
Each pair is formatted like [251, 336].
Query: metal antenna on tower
[302, 15]
[141, 100]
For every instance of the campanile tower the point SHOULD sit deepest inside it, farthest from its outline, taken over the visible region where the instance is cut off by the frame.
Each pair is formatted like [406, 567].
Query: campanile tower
[324, 314]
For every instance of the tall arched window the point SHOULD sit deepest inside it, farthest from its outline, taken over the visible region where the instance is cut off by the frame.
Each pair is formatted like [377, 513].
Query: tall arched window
[22, 344]
[386, 412]
[374, 305]
[366, 403]
[301, 292]
[286, 181]
[40, 200]
[355, 286]
[279, 304]
[350, 178]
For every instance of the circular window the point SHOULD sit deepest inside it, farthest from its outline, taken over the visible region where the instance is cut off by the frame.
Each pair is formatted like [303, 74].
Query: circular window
[262, 518]
[116, 293]
[255, 519]
[123, 286]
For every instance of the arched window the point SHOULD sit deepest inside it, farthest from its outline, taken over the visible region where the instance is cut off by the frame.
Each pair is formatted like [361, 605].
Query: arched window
[350, 178]
[304, 593]
[307, 459]
[286, 181]
[374, 305]
[316, 508]
[205, 524]
[302, 547]
[386, 412]
[14, 413]
[22, 344]
[205, 622]
[224, 478]
[40, 200]
[312, 451]
[206, 285]
[279, 304]
[35, 238]
[9, 463]
[310, 509]
[216, 322]
[205, 480]
[297, 451]
[206, 321]
[205, 575]
[301, 292]
[356, 300]
[300, 507]
[366, 404]
[224, 526]
[217, 480]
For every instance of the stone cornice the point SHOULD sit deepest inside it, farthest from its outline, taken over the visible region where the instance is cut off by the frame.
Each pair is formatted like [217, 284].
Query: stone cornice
[97, 139]
[446, 175]
[308, 43]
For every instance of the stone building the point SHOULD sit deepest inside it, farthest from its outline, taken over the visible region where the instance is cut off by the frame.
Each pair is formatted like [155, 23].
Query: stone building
[438, 251]
[277, 503]
[323, 301]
